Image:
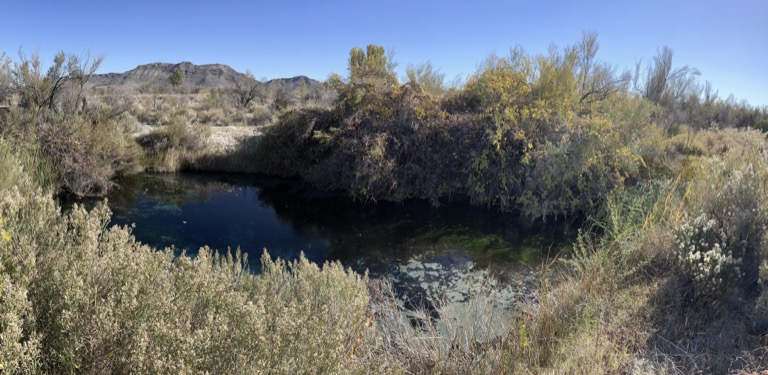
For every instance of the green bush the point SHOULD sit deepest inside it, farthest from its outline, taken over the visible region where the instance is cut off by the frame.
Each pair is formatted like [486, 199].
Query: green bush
[577, 172]
[762, 125]
[508, 139]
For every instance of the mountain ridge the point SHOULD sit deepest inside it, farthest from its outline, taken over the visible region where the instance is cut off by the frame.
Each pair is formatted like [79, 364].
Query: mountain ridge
[206, 75]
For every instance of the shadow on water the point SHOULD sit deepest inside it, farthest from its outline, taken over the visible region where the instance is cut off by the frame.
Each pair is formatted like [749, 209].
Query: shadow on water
[286, 217]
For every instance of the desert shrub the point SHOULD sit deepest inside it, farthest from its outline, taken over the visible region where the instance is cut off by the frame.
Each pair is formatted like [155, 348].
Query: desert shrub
[403, 147]
[720, 249]
[282, 98]
[18, 349]
[703, 295]
[495, 142]
[427, 77]
[22, 163]
[761, 125]
[734, 192]
[59, 89]
[720, 142]
[498, 94]
[576, 173]
[260, 116]
[87, 154]
[168, 148]
[84, 153]
[213, 117]
[57, 134]
[760, 313]
[295, 143]
[128, 123]
[149, 115]
[704, 256]
[97, 301]
[177, 131]
[156, 109]
[18, 354]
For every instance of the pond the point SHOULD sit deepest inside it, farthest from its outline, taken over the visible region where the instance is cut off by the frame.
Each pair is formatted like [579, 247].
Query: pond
[426, 252]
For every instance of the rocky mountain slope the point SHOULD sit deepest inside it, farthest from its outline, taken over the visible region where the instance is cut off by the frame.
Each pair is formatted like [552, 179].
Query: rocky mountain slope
[209, 76]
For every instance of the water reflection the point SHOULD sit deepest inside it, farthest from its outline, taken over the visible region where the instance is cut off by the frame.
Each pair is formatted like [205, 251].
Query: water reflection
[286, 217]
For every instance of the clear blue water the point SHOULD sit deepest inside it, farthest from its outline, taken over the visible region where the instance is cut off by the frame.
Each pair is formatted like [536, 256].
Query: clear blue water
[285, 217]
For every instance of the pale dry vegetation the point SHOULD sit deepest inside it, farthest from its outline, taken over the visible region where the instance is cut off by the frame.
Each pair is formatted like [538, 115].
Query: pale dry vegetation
[79, 297]
[669, 275]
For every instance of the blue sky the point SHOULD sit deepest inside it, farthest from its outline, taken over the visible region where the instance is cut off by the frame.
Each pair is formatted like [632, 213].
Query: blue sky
[726, 40]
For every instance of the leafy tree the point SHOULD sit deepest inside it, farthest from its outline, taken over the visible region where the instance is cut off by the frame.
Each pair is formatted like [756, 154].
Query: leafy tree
[372, 66]
[371, 77]
[176, 78]
[499, 95]
[554, 89]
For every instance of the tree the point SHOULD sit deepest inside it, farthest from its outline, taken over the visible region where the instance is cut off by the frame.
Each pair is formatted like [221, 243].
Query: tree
[67, 73]
[30, 82]
[246, 89]
[176, 78]
[281, 97]
[596, 80]
[371, 79]
[662, 84]
[80, 72]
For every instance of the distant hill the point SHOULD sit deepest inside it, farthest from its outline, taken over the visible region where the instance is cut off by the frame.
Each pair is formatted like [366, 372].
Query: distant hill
[209, 76]
[294, 83]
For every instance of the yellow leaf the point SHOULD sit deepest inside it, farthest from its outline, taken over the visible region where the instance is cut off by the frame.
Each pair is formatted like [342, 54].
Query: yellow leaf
[6, 236]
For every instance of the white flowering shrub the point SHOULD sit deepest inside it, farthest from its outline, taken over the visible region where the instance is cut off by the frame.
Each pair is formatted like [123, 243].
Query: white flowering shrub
[721, 250]
[704, 255]
[738, 197]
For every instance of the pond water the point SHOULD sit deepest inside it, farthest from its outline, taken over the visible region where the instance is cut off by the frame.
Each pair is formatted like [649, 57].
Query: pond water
[426, 252]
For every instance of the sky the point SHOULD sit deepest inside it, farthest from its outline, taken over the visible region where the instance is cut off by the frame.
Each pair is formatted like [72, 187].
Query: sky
[727, 41]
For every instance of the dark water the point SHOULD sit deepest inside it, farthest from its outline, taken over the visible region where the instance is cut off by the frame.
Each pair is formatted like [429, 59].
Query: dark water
[284, 216]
